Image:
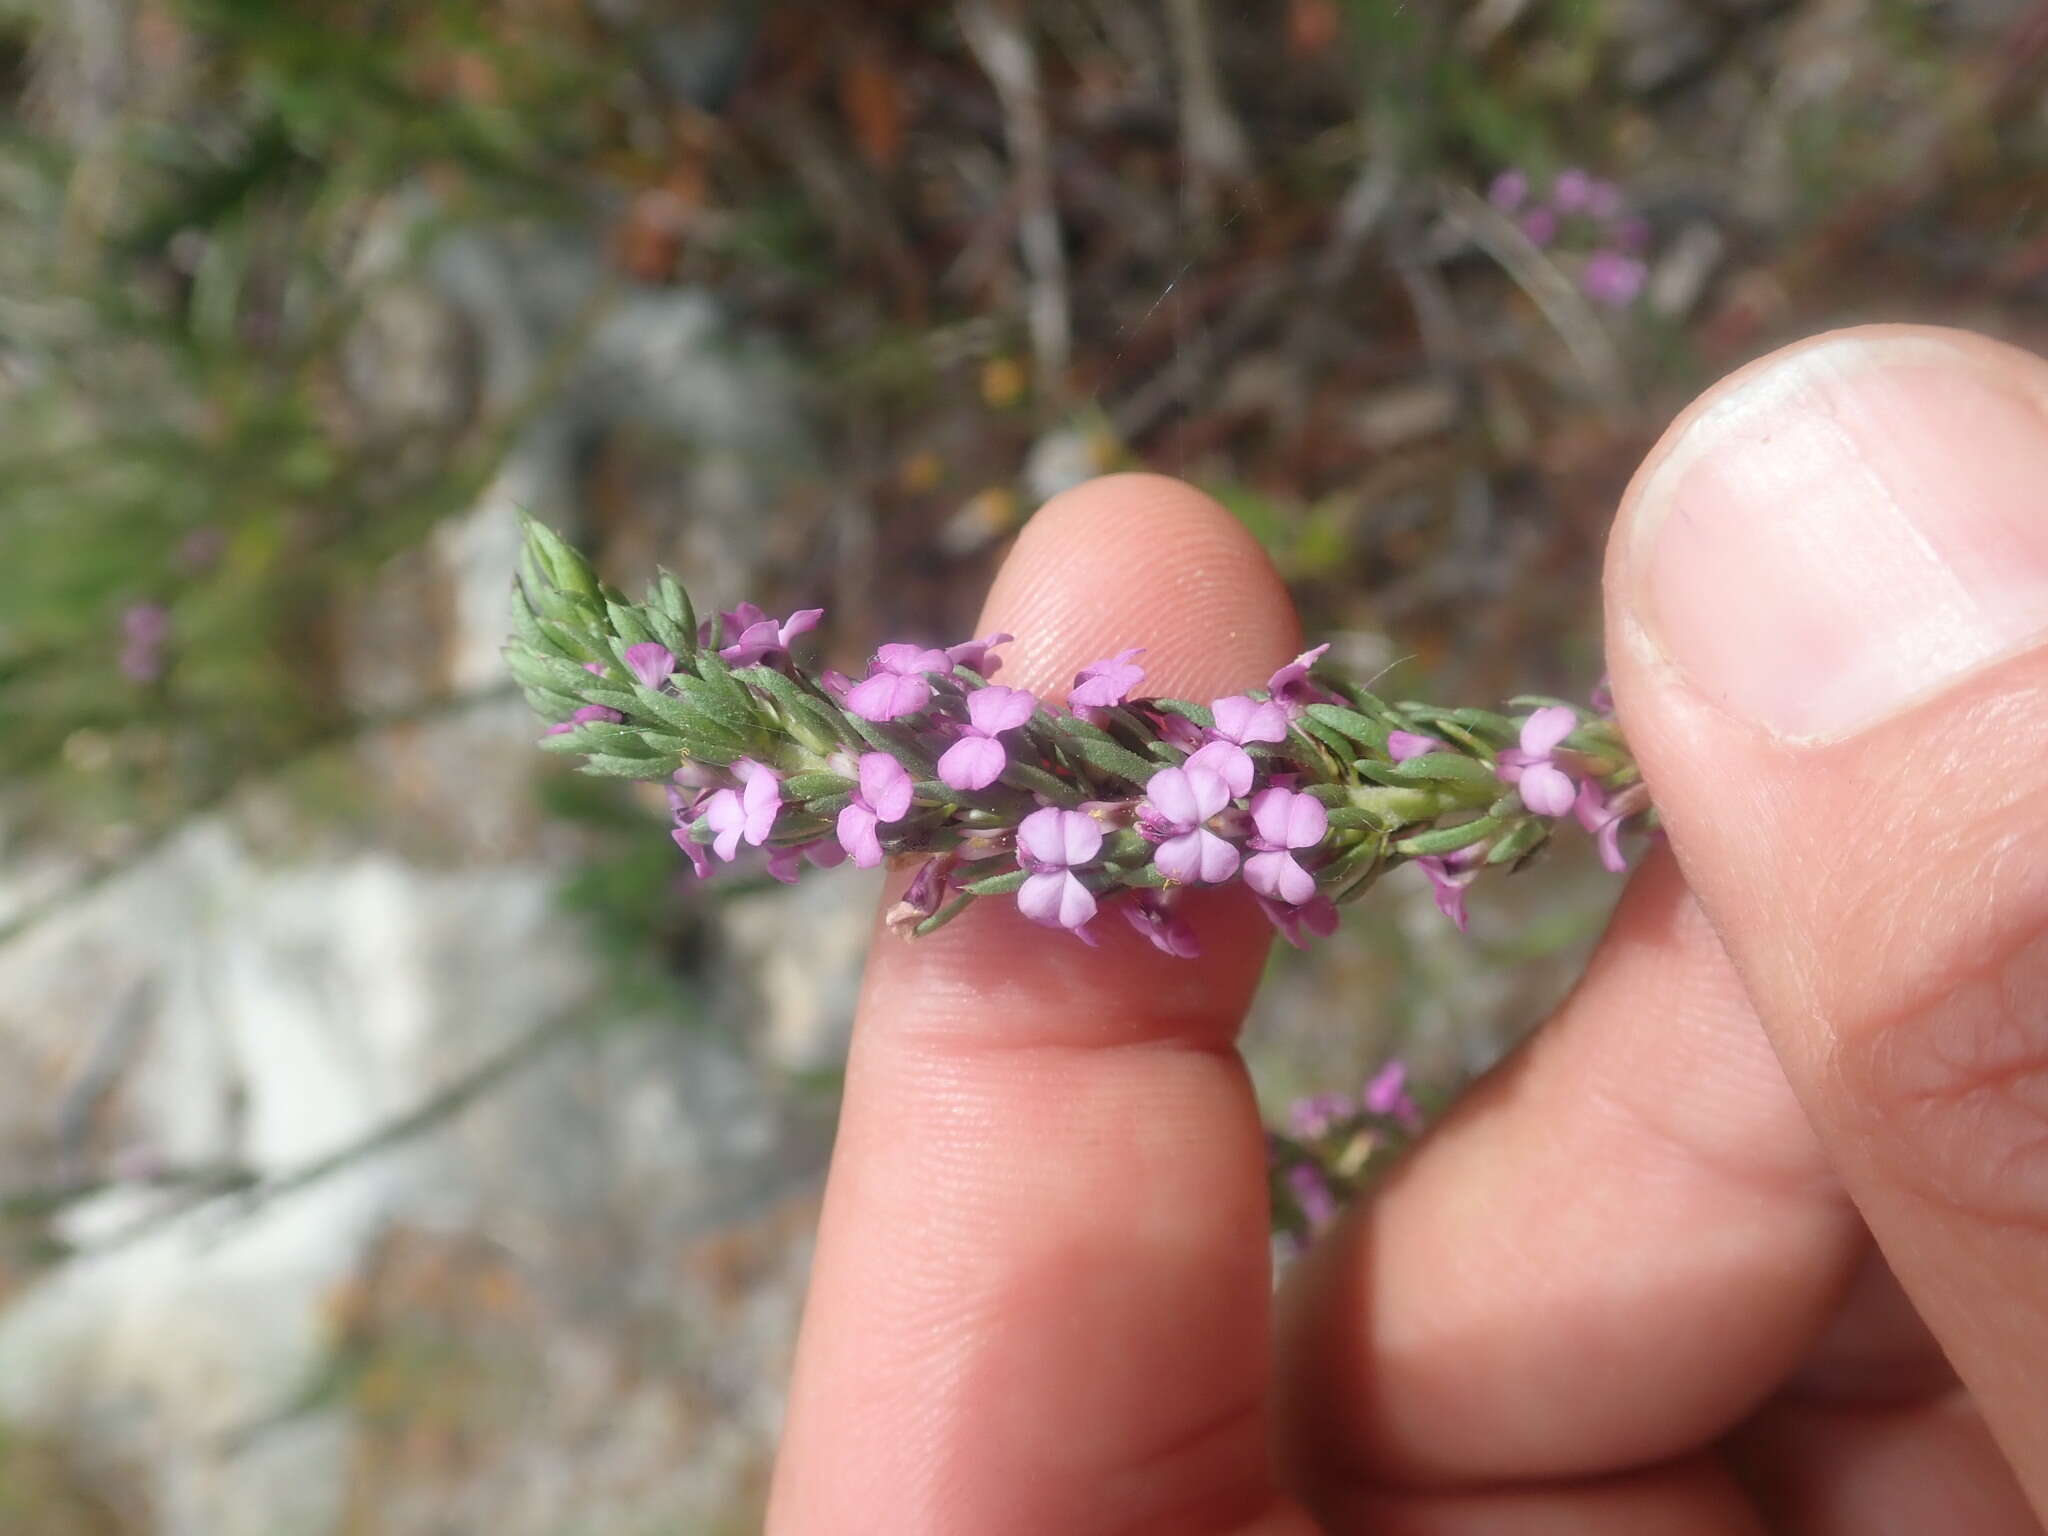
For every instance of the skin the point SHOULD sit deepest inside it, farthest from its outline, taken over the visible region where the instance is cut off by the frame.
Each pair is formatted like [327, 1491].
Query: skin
[1753, 1235]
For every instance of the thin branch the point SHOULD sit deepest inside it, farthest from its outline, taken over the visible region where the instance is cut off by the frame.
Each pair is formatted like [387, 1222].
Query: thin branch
[1006, 56]
[1212, 143]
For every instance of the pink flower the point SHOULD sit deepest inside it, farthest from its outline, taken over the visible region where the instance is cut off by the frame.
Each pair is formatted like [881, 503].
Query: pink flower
[1612, 279]
[883, 797]
[1151, 913]
[1602, 696]
[896, 684]
[1178, 802]
[650, 663]
[1603, 200]
[977, 759]
[1600, 818]
[1311, 1192]
[1239, 719]
[745, 814]
[1105, 684]
[1290, 686]
[1540, 225]
[783, 863]
[1402, 745]
[1387, 1094]
[978, 655]
[1572, 191]
[1546, 788]
[1318, 917]
[1510, 189]
[757, 640]
[1286, 820]
[1051, 844]
[1320, 1113]
[584, 716]
[1448, 877]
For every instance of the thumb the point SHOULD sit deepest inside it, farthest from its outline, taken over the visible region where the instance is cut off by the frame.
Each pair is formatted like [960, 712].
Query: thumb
[1828, 623]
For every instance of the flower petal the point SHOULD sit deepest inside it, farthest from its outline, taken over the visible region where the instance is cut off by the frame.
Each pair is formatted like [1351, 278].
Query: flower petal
[885, 785]
[973, 762]
[856, 830]
[1542, 731]
[1080, 838]
[1402, 745]
[1241, 718]
[1172, 798]
[1547, 789]
[996, 709]
[1041, 843]
[1229, 762]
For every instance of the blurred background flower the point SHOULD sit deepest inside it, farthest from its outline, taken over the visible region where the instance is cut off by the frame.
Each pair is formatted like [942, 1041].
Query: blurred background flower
[390, 1140]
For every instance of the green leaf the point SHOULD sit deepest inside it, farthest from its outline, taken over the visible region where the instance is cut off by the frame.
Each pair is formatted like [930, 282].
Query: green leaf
[565, 568]
[814, 785]
[1448, 839]
[1113, 759]
[603, 767]
[997, 885]
[670, 598]
[627, 625]
[716, 712]
[1350, 724]
[943, 916]
[1037, 781]
[620, 741]
[553, 673]
[1522, 840]
[1445, 768]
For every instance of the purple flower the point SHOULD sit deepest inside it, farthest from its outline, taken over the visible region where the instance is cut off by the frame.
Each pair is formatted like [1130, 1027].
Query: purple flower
[1540, 225]
[1319, 1113]
[896, 684]
[755, 639]
[925, 894]
[1449, 874]
[977, 759]
[1311, 1192]
[650, 663]
[594, 668]
[1603, 200]
[1572, 191]
[783, 863]
[1105, 684]
[883, 796]
[1599, 817]
[1387, 1095]
[747, 813]
[1318, 917]
[1151, 913]
[144, 629]
[1051, 844]
[977, 655]
[1178, 801]
[584, 716]
[1239, 719]
[1546, 788]
[1602, 696]
[1610, 278]
[1402, 745]
[1290, 686]
[1285, 820]
[1509, 191]
[700, 856]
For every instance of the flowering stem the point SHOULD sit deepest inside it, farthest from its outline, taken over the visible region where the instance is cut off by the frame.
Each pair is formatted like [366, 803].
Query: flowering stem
[1308, 789]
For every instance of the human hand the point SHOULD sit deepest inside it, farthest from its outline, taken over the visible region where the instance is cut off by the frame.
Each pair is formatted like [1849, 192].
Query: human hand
[1629, 1284]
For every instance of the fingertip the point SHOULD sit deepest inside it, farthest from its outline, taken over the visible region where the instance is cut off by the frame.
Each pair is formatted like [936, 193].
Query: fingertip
[1142, 560]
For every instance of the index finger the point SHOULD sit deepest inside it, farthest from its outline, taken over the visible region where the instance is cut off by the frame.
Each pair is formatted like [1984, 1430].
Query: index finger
[1040, 1300]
